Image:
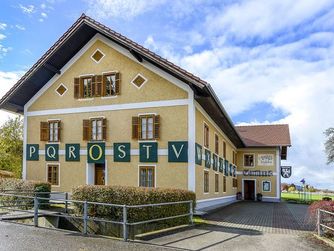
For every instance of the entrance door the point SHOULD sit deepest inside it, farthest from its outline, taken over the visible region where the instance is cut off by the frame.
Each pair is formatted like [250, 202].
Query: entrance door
[249, 189]
[99, 174]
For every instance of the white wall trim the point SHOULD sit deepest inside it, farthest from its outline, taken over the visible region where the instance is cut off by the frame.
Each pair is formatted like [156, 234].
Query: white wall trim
[25, 129]
[218, 198]
[278, 171]
[191, 141]
[118, 107]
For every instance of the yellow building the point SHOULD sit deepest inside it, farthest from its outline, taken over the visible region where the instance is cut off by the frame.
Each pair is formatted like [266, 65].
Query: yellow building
[100, 109]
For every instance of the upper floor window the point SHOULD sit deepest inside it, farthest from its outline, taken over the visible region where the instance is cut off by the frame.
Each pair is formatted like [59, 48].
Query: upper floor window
[50, 131]
[224, 150]
[216, 144]
[146, 127]
[206, 135]
[97, 85]
[249, 160]
[95, 129]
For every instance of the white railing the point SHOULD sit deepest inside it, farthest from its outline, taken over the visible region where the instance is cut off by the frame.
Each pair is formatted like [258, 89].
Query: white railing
[325, 221]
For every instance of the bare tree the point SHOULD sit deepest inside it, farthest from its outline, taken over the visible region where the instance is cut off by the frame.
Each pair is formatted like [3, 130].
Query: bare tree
[329, 145]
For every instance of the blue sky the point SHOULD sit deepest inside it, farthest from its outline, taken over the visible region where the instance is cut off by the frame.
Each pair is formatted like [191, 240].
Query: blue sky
[268, 61]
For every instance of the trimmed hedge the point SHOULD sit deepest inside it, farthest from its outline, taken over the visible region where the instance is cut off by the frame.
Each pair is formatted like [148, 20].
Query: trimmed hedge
[23, 187]
[135, 196]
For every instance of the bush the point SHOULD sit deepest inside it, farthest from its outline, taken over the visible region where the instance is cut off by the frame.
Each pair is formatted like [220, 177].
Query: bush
[135, 196]
[23, 187]
[327, 198]
[325, 205]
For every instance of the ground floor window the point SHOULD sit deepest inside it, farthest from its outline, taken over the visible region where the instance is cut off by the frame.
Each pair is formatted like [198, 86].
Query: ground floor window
[53, 175]
[266, 186]
[206, 182]
[146, 176]
[235, 183]
[224, 184]
[216, 182]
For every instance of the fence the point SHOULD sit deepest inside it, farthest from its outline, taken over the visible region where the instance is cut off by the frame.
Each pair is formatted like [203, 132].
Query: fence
[31, 204]
[325, 222]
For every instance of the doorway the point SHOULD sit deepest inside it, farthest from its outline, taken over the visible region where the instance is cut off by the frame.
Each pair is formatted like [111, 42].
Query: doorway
[99, 174]
[249, 189]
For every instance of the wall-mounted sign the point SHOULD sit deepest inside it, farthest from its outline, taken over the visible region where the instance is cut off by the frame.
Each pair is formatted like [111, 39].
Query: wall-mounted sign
[32, 152]
[265, 159]
[51, 152]
[148, 152]
[72, 152]
[178, 151]
[122, 152]
[198, 156]
[257, 173]
[215, 164]
[207, 158]
[266, 186]
[96, 153]
[221, 165]
[286, 171]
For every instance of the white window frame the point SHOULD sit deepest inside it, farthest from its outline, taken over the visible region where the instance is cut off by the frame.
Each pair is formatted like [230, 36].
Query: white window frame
[103, 55]
[47, 169]
[66, 89]
[243, 160]
[145, 81]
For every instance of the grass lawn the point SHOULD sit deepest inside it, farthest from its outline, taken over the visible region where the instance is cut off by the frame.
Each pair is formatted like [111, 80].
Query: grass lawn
[297, 197]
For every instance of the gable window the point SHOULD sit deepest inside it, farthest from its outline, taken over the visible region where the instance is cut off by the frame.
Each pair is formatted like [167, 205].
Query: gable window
[249, 160]
[146, 127]
[224, 150]
[146, 176]
[216, 182]
[216, 144]
[95, 129]
[110, 84]
[206, 135]
[53, 174]
[206, 182]
[50, 131]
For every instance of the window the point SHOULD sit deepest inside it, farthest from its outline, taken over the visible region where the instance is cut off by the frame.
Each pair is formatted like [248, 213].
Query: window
[216, 144]
[53, 175]
[249, 160]
[110, 85]
[87, 87]
[216, 182]
[54, 131]
[61, 90]
[224, 184]
[146, 127]
[97, 56]
[224, 150]
[206, 182]
[206, 135]
[97, 86]
[50, 131]
[266, 186]
[235, 183]
[146, 176]
[95, 129]
[234, 156]
[139, 81]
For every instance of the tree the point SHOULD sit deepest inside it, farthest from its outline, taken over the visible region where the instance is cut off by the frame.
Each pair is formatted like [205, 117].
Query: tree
[11, 146]
[329, 145]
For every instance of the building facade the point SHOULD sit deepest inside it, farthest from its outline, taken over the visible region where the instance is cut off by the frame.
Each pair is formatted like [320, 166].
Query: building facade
[100, 109]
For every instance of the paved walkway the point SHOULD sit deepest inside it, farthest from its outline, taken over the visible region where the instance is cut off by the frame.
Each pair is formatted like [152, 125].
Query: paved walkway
[248, 226]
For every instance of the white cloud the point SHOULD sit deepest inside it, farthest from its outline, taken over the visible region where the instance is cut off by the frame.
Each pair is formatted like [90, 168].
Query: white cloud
[262, 18]
[121, 8]
[7, 80]
[2, 36]
[41, 20]
[28, 9]
[3, 26]
[43, 6]
[44, 15]
[20, 27]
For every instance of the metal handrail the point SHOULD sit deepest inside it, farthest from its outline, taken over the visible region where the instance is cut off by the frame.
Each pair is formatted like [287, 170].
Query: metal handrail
[85, 217]
[320, 222]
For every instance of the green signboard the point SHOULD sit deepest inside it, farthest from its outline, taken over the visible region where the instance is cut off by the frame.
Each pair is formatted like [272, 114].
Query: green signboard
[215, 162]
[221, 165]
[198, 157]
[148, 152]
[32, 152]
[207, 158]
[122, 152]
[226, 168]
[72, 152]
[51, 152]
[96, 152]
[178, 151]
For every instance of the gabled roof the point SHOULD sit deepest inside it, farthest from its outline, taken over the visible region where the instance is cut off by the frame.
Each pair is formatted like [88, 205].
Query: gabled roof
[265, 135]
[75, 38]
